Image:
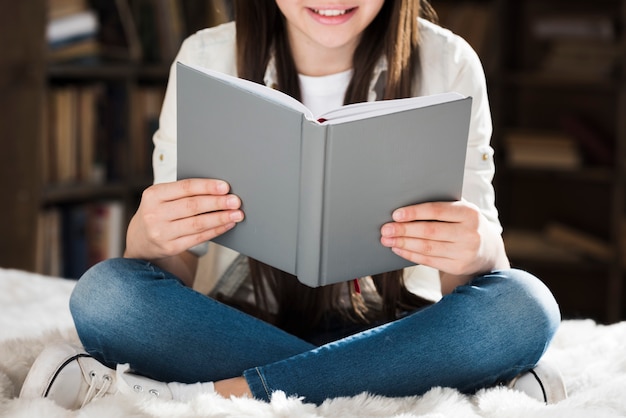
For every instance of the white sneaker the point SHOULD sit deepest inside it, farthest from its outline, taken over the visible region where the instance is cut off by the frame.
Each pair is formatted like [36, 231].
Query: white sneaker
[72, 378]
[544, 383]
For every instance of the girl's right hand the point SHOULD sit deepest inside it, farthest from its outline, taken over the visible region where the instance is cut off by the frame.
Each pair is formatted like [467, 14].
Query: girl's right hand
[173, 217]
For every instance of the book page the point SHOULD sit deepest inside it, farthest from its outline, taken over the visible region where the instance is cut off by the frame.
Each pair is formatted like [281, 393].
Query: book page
[365, 110]
[260, 90]
[342, 114]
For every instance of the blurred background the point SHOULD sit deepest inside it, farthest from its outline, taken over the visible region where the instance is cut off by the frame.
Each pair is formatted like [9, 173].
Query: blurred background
[81, 85]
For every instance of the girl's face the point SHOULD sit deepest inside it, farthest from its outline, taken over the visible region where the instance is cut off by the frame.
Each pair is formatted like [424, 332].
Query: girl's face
[327, 24]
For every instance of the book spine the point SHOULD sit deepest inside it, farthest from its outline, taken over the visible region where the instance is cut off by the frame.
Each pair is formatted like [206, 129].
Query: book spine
[74, 246]
[312, 169]
[598, 148]
[577, 241]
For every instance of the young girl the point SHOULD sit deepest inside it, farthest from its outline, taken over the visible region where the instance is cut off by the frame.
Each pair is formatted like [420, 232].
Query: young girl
[491, 324]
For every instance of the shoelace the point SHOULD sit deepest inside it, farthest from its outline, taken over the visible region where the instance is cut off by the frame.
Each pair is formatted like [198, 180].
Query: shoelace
[124, 387]
[94, 392]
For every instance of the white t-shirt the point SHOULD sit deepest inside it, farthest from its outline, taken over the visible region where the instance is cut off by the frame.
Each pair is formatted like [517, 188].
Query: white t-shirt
[321, 94]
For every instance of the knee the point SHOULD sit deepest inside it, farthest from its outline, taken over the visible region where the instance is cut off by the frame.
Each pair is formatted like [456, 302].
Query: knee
[96, 285]
[532, 296]
[531, 313]
[98, 297]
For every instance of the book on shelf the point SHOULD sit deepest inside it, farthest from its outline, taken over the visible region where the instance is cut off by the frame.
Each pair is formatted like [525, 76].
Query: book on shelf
[71, 238]
[118, 36]
[130, 38]
[198, 15]
[61, 8]
[218, 12]
[71, 134]
[317, 189]
[72, 30]
[622, 239]
[79, 31]
[527, 244]
[171, 28]
[161, 25]
[472, 21]
[62, 135]
[578, 46]
[597, 147]
[87, 126]
[556, 242]
[542, 150]
[74, 241]
[80, 49]
[592, 60]
[145, 17]
[574, 27]
[48, 245]
[113, 141]
[145, 108]
[105, 231]
[579, 241]
[66, 29]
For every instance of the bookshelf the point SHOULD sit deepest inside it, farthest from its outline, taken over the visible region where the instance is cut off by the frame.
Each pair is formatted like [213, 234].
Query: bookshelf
[561, 75]
[88, 105]
[22, 85]
[556, 73]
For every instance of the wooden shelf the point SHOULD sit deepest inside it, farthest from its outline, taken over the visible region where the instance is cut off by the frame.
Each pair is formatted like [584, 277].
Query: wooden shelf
[526, 96]
[554, 81]
[587, 174]
[108, 71]
[83, 192]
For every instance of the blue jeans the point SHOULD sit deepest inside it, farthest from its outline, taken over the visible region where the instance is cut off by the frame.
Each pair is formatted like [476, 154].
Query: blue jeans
[485, 332]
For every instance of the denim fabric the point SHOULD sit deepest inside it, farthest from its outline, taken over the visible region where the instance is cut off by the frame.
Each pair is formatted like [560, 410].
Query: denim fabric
[485, 332]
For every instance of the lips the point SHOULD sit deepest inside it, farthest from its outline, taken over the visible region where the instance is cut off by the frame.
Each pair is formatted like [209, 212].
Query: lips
[332, 15]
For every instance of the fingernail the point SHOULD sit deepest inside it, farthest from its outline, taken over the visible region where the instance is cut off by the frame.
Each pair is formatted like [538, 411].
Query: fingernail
[398, 215]
[222, 187]
[387, 242]
[387, 230]
[232, 202]
[236, 216]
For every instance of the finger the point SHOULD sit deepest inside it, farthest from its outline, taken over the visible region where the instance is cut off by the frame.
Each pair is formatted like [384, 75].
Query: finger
[431, 230]
[425, 247]
[200, 224]
[195, 205]
[432, 211]
[180, 244]
[436, 262]
[188, 187]
[444, 263]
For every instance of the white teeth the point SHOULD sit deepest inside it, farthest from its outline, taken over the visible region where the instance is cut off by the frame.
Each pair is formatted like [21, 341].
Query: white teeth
[330, 12]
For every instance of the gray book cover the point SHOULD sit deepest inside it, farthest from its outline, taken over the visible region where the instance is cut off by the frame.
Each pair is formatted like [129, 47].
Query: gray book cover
[315, 195]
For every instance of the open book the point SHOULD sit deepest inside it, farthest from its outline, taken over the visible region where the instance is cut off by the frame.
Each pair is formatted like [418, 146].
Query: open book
[316, 191]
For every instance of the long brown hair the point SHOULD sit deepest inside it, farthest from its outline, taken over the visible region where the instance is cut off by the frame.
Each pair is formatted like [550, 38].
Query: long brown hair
[279, 297]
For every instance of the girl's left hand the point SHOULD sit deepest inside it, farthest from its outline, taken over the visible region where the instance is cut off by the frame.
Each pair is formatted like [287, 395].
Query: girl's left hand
[452, 237]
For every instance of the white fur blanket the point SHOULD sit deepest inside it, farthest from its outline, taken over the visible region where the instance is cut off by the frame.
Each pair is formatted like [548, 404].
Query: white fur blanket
[33, 312]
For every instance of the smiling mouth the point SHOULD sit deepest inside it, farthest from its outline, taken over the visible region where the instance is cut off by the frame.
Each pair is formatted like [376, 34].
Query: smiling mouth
[332, 12]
